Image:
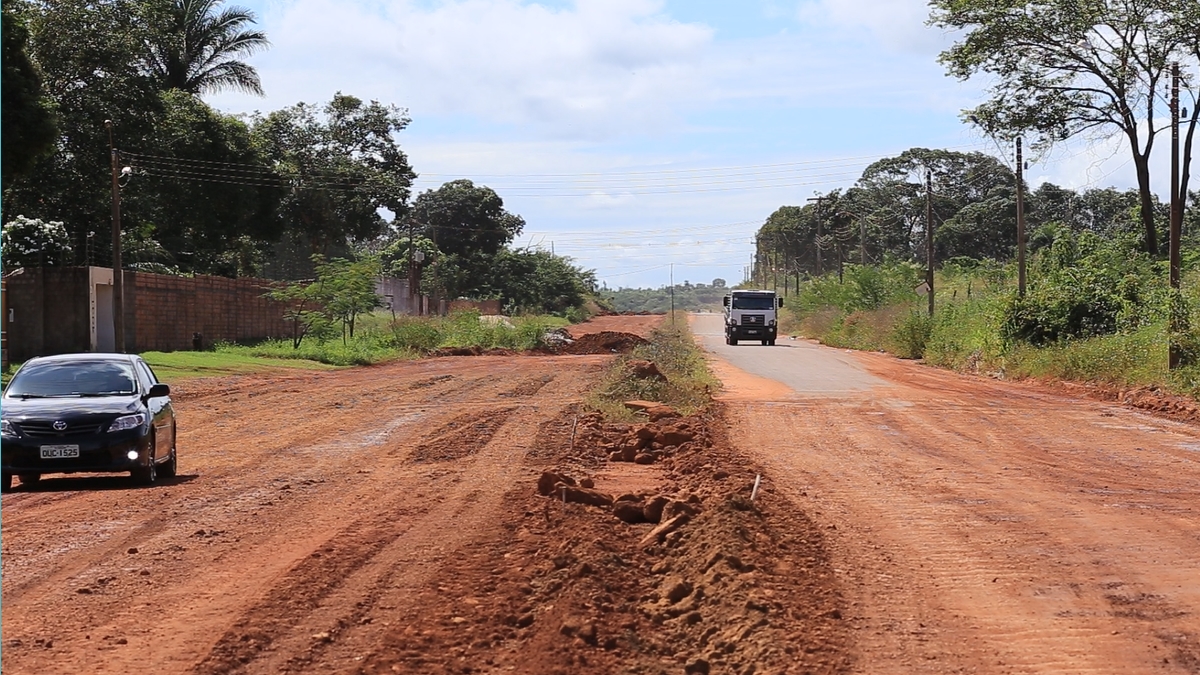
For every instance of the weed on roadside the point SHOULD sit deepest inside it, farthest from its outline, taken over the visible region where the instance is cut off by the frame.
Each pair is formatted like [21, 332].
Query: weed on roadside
[688, 385]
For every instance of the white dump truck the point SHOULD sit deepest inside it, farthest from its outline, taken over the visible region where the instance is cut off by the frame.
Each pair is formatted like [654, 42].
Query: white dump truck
[751, 315]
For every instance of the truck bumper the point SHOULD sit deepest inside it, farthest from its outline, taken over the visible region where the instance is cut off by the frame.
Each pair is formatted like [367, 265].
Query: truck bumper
[750, 332]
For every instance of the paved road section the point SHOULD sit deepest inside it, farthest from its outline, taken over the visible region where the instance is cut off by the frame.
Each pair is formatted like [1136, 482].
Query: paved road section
[979, 526]
[804, 367]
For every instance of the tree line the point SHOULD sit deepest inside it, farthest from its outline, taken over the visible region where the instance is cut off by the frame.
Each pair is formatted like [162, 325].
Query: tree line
[1057, 69]
[268, 195]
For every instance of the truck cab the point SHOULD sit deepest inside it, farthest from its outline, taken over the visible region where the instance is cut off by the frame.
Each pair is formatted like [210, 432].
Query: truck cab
[751, 315]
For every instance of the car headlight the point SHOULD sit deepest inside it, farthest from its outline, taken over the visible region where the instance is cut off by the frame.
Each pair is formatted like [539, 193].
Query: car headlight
[6, 428]
[128, 422]
[771, 322]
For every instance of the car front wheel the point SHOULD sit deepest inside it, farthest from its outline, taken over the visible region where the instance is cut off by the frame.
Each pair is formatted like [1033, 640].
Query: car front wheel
[170, 467]
[6, 483]
[146, 475]
[30, 478]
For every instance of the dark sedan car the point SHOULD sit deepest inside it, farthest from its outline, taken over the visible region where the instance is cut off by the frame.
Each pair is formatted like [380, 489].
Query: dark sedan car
[86, 413]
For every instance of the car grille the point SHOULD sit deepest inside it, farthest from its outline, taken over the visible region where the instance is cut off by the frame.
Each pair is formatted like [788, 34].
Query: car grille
[753, 319]
[47, 430]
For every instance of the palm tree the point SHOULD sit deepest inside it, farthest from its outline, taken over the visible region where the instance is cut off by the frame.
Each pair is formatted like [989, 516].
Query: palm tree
[198, 47]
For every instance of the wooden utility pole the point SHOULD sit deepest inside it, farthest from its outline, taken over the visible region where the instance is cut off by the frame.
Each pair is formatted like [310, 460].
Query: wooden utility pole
[672, 293]
[820, 202]
[118, 299]
[1020, 220]
[1173, 352]
[412, 268]
[862, 242]
[929, 235]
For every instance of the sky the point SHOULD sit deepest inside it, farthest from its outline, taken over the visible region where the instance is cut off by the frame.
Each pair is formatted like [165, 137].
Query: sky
[646, 139]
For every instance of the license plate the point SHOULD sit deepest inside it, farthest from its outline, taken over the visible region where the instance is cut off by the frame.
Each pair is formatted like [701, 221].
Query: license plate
[751, 332]
[59, 451]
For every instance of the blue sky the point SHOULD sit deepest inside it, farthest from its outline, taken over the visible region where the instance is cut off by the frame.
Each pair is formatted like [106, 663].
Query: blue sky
[636, 134]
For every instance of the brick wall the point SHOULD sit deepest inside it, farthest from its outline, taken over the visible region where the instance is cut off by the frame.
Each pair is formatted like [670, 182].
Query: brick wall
[167, 310]
[484, 307]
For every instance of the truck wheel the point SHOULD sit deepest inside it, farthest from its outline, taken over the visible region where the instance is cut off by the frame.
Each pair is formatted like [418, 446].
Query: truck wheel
[771, 343]
[765, 342]
[733, 341]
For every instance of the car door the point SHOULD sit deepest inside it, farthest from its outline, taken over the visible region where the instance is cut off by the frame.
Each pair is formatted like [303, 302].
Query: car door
[161, 414]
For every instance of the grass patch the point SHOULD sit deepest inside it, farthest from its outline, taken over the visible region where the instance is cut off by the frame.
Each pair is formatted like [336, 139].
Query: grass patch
[672, 348]
[382, 338]
[173, 366]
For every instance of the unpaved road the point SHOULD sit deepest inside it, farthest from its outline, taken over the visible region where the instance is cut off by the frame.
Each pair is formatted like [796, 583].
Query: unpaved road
[979, 526]
[383, 520]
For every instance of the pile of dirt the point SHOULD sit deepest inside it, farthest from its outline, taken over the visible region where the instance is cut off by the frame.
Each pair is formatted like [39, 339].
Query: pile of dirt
[710, 583]
[472, 351]
[1149, 399]
[605, 342]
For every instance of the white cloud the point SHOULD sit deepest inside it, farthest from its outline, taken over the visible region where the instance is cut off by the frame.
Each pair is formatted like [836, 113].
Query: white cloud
[897, 24]
[584, 71]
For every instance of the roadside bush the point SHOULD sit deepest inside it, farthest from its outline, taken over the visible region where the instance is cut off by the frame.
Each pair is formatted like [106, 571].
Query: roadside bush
[911, 334]
[1086, 286]
[688, 387]
[420, 335]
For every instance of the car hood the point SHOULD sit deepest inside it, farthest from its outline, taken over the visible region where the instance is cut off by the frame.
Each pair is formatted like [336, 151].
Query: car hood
[16, 408]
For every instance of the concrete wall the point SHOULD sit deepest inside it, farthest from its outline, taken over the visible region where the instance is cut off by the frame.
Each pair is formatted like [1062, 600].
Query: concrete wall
[484, 306]
[47, 312]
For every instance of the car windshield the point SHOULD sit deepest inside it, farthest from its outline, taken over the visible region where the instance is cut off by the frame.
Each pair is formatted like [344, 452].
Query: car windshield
[72, 379]
[754, 302]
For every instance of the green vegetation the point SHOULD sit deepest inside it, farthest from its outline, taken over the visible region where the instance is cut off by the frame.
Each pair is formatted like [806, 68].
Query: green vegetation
[1096, 310]
[256, 195]
[688, 297]
[380, 338]
[174, 366]
[672, 348]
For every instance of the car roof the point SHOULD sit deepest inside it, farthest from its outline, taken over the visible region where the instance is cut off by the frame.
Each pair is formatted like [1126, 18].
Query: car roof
[82, 357]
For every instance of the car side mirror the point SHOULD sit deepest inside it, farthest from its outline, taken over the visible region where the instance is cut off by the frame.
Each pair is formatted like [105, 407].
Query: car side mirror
[725, 301]
[781, 302]
[158, 391]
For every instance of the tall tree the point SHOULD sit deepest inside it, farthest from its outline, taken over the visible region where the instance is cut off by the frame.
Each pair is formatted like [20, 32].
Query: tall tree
[197, 46]
[341, 166]
[1060, 68]
[29, 129]
[465, 219]
[90, 55]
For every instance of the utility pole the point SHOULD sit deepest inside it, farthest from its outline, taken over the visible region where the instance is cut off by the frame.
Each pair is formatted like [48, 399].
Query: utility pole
[672, 294]
[929, 235]
[412, 267]
[820, 202]
[1020, 220]
[775, 267]
[1173, 352]
[862, 242]
[118, 300]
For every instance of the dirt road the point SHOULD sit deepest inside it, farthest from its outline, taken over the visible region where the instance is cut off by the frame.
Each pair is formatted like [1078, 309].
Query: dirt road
[384, 520]
[979, 526]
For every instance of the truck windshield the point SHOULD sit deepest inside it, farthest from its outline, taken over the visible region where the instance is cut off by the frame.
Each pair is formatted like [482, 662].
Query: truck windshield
[754, 302]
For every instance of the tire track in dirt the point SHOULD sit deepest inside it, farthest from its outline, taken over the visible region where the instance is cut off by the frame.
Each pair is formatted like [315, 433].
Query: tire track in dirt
[384, 571]
[253, 507]
[979, 527]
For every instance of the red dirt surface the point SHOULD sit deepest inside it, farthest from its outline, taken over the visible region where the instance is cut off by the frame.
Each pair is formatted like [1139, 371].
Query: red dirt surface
[386, 520]
[990, 527]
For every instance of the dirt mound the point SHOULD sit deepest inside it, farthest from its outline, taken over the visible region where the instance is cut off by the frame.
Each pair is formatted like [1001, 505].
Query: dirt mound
[579, 580]
[472, 351]
[604, 342]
